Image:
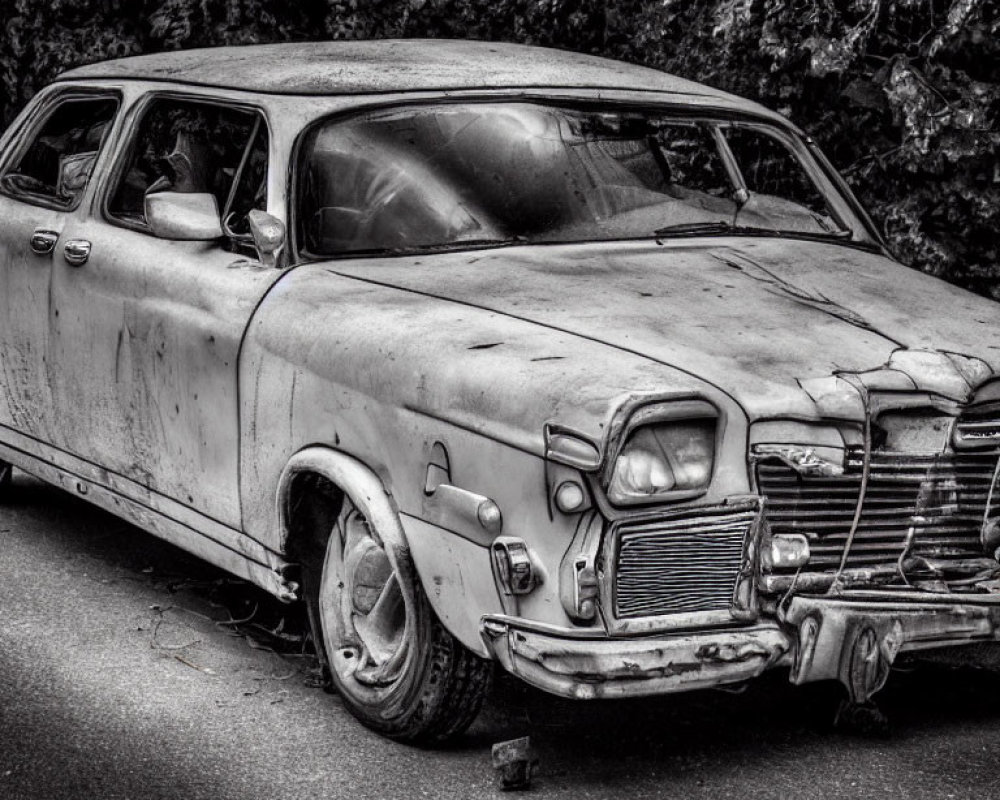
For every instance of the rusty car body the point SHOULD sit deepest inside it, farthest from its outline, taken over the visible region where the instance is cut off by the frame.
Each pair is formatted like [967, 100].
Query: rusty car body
[499, 354]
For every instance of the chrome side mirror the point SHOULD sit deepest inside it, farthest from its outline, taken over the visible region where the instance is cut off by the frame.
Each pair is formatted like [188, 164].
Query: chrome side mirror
[183, 216]
[268, 236]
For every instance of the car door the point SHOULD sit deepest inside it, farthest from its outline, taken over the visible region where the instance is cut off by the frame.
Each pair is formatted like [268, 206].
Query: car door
[44, 175]
[145, 353]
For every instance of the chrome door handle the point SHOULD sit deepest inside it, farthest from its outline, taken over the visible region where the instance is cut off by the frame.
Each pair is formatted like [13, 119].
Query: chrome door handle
[76, 252]
[43, 242]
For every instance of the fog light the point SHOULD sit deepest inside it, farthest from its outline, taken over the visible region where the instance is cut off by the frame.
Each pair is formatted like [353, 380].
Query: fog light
[789, 551]
[512, 566]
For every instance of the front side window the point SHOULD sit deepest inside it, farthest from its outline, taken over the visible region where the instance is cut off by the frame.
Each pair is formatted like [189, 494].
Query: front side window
[198, 148]
[54, 166]
[461, 174]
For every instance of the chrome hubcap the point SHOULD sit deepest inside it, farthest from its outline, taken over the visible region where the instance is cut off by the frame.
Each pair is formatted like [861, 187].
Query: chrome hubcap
[363, 608]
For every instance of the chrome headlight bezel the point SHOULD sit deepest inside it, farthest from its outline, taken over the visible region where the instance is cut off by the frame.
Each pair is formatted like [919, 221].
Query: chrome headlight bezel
[693, 414]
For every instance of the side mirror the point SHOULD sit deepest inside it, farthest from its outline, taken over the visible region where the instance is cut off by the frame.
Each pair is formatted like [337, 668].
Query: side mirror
[268, 236]
[183, 216]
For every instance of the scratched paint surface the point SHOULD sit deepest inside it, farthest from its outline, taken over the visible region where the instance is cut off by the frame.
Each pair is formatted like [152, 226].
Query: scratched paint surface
[197, 375]
[750, 317]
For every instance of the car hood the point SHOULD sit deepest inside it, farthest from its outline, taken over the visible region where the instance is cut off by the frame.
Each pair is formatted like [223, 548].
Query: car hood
[776, 324]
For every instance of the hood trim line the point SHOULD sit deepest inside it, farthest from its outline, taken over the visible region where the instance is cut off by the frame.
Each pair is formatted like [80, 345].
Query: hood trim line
[548, 326]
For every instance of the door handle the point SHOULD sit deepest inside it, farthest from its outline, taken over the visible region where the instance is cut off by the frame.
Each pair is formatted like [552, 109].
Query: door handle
[76, 252]
[43, 242]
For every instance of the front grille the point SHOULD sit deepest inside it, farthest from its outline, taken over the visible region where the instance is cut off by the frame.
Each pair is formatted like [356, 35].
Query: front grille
[688, 562]
[941, 497]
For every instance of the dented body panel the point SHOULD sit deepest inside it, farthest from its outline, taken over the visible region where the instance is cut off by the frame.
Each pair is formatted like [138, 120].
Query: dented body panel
[848, 408]
[144, 356]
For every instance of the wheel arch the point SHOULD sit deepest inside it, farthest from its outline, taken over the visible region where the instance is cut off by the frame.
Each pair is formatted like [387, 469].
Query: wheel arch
[316, 472]
[311, 488]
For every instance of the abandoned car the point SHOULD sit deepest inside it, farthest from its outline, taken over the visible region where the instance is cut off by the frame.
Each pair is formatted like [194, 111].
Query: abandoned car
[493, 354]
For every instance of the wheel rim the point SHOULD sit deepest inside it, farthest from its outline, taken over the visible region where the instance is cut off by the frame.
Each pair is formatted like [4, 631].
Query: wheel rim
[365, 612]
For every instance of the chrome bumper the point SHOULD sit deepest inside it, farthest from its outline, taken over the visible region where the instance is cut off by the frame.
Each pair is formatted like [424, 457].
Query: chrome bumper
[856, 636]
[566, 663]
[853, 638]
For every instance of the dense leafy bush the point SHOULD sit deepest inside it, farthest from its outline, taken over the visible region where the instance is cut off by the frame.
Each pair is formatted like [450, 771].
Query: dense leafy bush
[904, 95]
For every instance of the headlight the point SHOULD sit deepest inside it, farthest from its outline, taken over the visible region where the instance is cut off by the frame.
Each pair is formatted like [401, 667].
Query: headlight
[664, 458]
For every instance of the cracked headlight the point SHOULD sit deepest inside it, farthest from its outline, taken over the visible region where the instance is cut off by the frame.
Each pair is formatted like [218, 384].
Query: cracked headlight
[664, 459]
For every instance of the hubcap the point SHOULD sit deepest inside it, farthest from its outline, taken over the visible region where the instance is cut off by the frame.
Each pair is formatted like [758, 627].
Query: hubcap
[362, 607]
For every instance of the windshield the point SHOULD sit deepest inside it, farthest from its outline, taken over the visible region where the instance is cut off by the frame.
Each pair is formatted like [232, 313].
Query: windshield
[425, 177]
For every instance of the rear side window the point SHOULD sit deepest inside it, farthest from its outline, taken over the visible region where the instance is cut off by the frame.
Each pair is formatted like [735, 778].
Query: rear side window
[194, 147]
[55, 163]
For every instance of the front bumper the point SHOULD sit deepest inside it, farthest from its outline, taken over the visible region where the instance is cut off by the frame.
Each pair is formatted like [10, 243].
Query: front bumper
[853, 637]
[566, 663]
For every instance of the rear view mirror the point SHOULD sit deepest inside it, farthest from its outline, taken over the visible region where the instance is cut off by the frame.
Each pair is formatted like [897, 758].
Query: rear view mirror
[183, 216]
[268, 236]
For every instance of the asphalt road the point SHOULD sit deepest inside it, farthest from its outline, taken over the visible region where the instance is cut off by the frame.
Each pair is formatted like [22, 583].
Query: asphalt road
[124, 675]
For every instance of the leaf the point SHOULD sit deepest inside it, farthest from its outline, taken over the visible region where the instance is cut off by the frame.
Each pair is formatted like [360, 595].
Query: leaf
[865, 94]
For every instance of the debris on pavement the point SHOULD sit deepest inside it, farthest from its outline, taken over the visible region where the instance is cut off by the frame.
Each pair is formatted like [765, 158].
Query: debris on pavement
[515, 762]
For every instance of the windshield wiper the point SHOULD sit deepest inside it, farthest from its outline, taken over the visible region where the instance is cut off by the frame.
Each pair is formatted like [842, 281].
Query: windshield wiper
[688, 228]
[722, 227]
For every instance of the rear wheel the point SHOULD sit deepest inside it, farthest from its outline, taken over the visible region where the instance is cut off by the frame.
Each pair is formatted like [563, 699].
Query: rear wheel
[395, 666]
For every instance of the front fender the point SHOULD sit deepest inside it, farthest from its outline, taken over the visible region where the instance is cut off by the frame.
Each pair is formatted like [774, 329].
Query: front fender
[454, 573]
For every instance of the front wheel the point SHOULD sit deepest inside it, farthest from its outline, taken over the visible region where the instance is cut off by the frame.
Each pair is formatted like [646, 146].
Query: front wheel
[394, 665]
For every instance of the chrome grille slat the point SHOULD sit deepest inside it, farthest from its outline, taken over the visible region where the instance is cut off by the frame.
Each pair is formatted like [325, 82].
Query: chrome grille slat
[680, 564]
[958, 523]
[979, 425]
[941, 497]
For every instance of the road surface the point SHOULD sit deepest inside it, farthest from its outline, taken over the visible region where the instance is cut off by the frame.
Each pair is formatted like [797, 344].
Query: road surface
[124, 675]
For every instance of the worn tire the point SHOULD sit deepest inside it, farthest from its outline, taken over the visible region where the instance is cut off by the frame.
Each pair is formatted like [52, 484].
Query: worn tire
[440, 685]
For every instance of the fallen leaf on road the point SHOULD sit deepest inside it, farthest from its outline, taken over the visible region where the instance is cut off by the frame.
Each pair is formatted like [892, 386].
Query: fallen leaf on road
[191, 664]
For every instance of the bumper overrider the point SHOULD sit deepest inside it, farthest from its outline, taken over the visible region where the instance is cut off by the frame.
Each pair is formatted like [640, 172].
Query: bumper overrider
[853, 638]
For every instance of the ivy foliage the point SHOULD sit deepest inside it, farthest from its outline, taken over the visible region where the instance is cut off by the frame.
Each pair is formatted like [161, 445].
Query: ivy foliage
[903, 95]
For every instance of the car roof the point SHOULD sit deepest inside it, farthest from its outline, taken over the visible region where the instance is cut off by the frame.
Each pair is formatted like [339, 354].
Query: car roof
[396, 65]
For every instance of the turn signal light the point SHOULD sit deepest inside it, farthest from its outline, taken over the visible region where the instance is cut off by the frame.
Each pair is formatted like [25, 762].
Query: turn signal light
[570, 497]
[489, 516]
